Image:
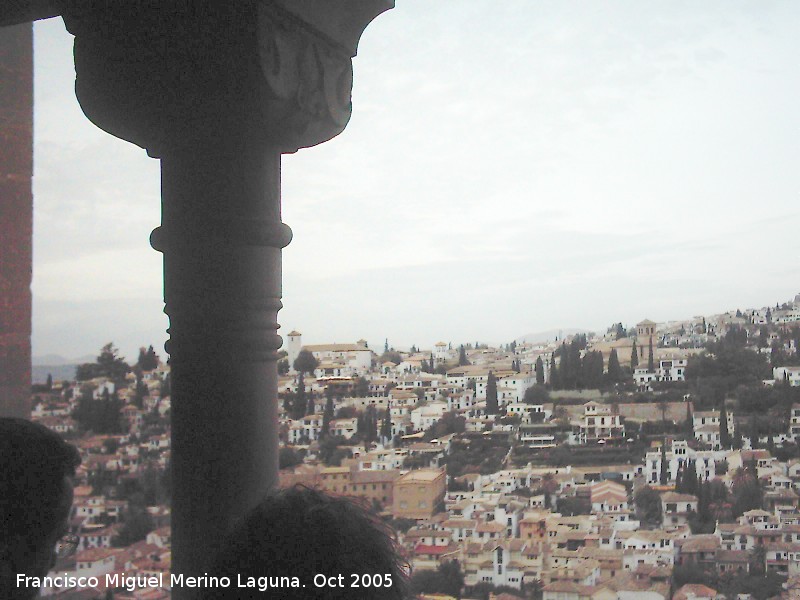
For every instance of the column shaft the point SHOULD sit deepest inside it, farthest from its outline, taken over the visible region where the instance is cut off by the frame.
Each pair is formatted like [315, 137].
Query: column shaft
[221, 236]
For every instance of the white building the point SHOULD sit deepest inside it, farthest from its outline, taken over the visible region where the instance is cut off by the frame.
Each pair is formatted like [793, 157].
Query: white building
[600, 422]
[790, 374]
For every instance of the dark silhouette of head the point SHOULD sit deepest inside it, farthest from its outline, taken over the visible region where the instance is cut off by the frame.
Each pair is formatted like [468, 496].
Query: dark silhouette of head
[304, 533]
[36, 467]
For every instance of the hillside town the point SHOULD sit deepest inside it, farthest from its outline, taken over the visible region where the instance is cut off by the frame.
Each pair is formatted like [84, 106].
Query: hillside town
[656, 461]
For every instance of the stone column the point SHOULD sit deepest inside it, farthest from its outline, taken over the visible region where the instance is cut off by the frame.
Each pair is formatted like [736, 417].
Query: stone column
[217, 93]
[16, 218]
[221, 236]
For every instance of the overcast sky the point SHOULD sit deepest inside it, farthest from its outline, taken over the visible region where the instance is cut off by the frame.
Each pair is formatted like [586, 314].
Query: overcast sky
[510, 167]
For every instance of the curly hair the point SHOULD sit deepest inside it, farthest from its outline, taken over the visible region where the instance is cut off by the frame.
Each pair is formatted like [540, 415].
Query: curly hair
[305, 533]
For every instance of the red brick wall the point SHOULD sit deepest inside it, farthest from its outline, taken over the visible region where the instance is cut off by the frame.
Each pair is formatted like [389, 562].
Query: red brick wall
[16, 217]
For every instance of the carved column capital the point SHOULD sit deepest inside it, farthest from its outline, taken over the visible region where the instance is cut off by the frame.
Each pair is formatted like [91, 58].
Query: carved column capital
[173, 72]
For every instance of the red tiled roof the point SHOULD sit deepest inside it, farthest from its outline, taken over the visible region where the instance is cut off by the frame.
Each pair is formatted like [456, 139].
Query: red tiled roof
[428, 549]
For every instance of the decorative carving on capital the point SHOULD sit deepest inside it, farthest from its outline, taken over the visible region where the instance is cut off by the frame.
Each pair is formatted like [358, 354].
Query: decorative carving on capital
[173, 73]
[308, 79]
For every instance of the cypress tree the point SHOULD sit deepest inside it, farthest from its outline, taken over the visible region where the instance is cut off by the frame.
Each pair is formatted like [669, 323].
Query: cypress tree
[539, 368]
[361, 425]
[300, 403]
[753, 433]
[462, 356]
[634, 356]
[691, 480]
[370, 425]
[554, 380]
[614, 370]
[386, 424]
[724, 434]
[327, 414]
[650, 361]
[664, 475]
[491, 395]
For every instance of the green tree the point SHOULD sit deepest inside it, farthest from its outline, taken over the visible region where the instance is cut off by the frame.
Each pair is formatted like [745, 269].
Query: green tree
[362, 387]
[539, 369]
[491, 395]
[111, 364]
[650, 361]
[101, 416]
[462, 356]
[310, 408]
[634, 356]
[648, 506]
[305, 362]
[370, 425]
[688, 483]
[108, 364]
[327, 414]
[724, 435]
[136, 524]
[386, 424]
[288, 458]
[148, 359]
[536, 394]
[299, 402]
[592, 370]
[746, 491]
[663, 477]
[166, 386]
[330, 452]
[447, 579]
[614, 370]
[140, 392]
[555, 383]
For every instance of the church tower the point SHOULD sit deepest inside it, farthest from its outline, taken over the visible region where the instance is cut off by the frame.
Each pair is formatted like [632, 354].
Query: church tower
[293, 347]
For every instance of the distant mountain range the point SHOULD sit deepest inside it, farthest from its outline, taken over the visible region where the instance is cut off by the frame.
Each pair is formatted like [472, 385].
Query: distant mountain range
[57, 366]
[57, 359]
[549, 335]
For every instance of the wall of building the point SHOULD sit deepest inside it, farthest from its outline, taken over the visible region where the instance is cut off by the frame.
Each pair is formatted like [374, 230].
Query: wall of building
[16, 217]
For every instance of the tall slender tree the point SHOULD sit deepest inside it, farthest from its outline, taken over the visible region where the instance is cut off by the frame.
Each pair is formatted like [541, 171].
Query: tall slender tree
[491, 395]
[634, 356]
[327, 414]
[650, 360]
[724, 434]
[614, 374]
[300, 402]
[462, 357]
[555, 383]
[310, 405]
[386, 423]
[664, 475]
[539, 368]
